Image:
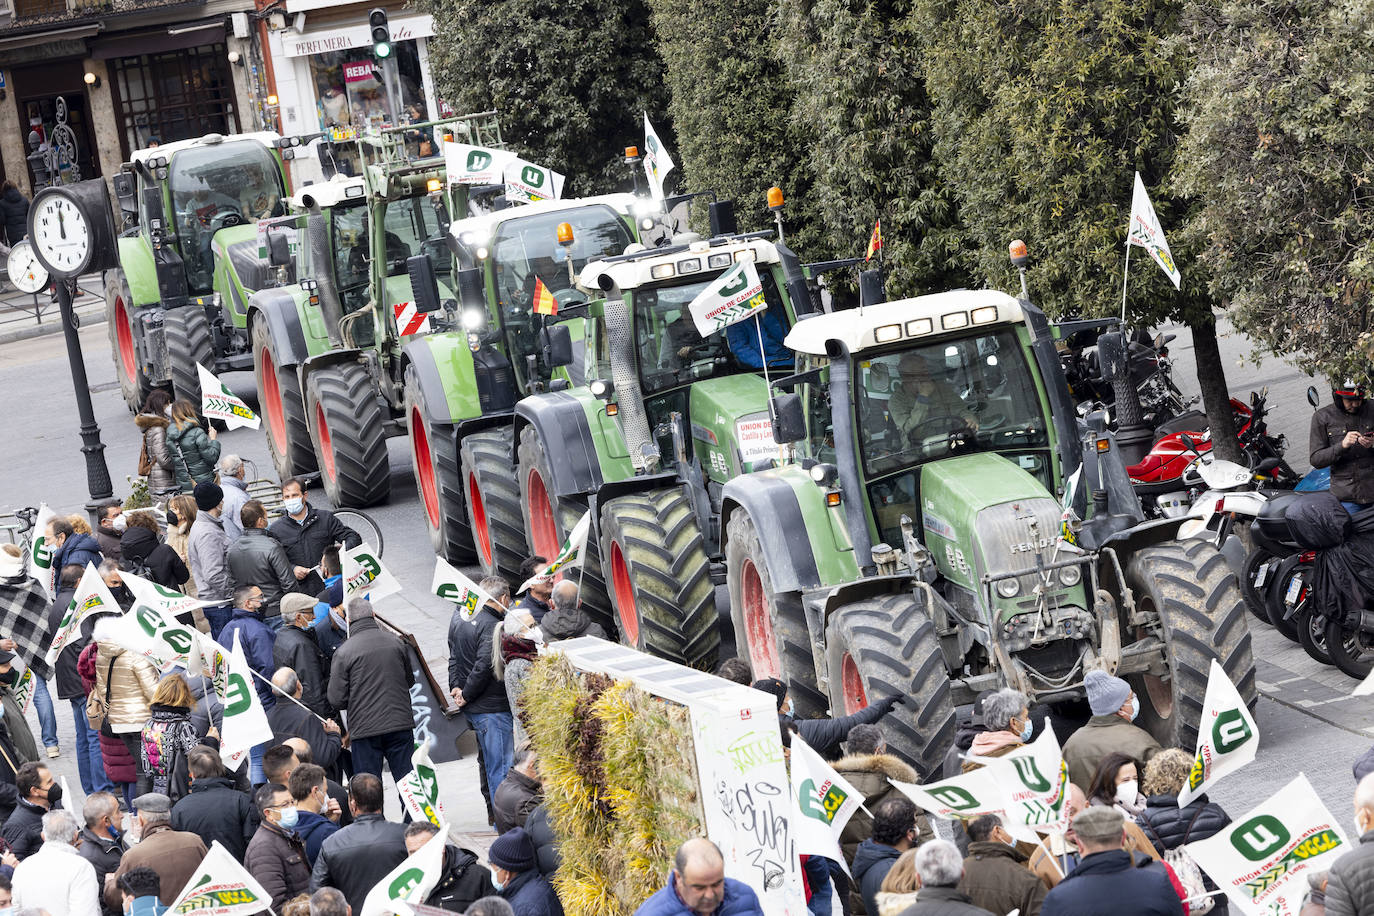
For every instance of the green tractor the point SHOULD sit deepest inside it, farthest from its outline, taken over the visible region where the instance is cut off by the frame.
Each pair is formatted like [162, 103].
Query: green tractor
[912, 542]
[190, 259]
[373, 274]
[461, 388]
[664, 420]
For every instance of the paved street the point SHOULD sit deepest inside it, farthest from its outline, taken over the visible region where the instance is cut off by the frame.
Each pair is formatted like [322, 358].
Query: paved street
[1307, 721]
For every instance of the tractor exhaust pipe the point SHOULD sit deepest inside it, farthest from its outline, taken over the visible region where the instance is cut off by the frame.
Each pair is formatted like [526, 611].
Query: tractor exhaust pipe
[644, 454]
[846, 459]
[331, 310]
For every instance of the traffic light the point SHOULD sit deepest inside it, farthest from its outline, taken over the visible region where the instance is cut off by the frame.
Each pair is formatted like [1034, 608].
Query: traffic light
[381, 34]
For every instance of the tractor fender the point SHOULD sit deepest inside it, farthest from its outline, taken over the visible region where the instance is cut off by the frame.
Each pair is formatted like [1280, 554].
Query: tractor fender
[427, 354]
[776, 511]
[278, 308]
[560, 420]
[136, 260]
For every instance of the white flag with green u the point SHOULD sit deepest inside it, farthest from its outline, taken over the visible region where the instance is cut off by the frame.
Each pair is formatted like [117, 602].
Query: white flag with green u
[734, 296]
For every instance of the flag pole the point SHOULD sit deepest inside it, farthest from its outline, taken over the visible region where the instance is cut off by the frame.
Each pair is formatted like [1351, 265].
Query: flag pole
[277, 692]
[1124, 275]
[763, 358]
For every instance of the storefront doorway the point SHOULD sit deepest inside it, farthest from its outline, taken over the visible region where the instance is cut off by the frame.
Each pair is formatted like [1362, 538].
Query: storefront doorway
[36, 91]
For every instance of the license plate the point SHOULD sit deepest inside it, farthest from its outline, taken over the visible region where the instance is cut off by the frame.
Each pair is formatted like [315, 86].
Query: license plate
[1294, 590]
[1261, 574]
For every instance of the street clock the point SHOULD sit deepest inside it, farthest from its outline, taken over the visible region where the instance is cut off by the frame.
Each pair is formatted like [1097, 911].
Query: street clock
[71, 228]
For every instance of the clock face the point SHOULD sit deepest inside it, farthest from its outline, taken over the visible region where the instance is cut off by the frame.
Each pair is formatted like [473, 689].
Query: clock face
[26, 272]
[60, 234]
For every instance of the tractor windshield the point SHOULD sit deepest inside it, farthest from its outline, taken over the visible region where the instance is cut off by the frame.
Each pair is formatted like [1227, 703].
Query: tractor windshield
[672, 352]
[213, 187]
[412, 227]
[526, 250]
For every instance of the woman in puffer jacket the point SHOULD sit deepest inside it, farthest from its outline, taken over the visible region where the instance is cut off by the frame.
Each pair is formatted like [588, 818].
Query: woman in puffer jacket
[114, 753]
[167, 740]
[132, 681]
[152, 422]
[194, 450]
[1166, 824]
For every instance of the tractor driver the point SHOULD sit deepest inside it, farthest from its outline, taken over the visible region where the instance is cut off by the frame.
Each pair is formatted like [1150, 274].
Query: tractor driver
[925, 392]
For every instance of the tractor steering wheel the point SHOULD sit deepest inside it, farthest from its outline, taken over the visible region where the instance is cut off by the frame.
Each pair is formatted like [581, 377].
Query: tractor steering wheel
[937, 426]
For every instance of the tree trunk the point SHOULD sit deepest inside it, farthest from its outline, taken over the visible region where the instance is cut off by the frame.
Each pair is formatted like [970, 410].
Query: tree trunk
[1216, 398]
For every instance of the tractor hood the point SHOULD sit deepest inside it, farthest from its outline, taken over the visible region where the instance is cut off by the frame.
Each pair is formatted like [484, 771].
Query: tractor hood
[983, 515]
[730, 424]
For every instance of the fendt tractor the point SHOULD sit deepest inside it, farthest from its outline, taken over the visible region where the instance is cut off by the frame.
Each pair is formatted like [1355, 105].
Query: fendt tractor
[327, 349]
[189, 259]
[665, 418]
[911, 542]
[461, 388]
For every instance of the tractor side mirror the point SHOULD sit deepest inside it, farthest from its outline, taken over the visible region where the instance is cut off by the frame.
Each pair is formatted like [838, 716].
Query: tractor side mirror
[471, 289]
[556, 342]
[722, 216]
[423, 286]
[789, 421]
[152, 205]
[126, 193]
[1312, 397]
[1111, 355]
[278, 249]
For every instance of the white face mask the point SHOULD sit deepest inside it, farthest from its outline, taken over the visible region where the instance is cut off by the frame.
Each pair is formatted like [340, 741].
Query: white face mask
[1360, 825]
[1128, 791]
[119, 523]
[534, 634]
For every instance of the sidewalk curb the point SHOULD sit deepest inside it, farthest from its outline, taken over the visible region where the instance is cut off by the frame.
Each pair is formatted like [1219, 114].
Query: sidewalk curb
[43, 330]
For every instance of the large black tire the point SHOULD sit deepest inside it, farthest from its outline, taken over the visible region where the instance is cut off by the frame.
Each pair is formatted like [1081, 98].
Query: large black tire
[1202, 616]
[660, 577]
[1351, 651]
[1275, 601]
[885, 646]
[549, 519]
[123, 330]
[434, 458]
[491, 492]
[189, 342]
[283, 408]
[770, 626]
[348, 429]
[1255, 595]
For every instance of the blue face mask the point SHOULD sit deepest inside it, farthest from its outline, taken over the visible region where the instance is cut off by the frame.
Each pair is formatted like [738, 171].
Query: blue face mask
[289, 818]
[1026, 731]
[1135, 707]
[497, 883]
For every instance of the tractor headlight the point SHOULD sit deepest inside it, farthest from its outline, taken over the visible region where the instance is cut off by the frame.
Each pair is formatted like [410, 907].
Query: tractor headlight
[1009, 588]
[1071, 575]
[474, 319]
[824, 474]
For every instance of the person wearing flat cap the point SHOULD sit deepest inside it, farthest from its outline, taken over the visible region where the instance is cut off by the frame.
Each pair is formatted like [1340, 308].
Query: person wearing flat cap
[297, 648]
[173, 854]
[515, 873]
[1114, 707]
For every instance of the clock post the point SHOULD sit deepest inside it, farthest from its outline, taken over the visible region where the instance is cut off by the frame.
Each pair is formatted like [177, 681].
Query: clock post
[71, 228]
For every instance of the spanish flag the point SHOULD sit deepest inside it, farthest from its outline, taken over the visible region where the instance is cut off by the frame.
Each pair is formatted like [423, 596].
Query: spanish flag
[544, 303]
[875, 244]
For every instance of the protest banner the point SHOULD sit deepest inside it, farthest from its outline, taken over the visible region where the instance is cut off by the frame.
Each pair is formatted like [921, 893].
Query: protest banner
[364, 574]
[411, 881]
[220, 886]
[91, 597]
[1227, 738]
[245, 721]
[452, 585]
[823, 801]
[419, 788]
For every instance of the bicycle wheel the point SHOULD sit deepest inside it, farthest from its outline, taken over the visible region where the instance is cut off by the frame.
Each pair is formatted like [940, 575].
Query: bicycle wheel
[361, 522]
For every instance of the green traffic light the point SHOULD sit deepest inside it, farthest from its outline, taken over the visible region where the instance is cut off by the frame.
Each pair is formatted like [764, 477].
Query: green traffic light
[382, 49]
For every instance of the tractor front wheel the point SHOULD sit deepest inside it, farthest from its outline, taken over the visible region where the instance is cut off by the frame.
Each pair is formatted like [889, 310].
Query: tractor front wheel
[550, 518]
[1202, 616]
[434, 458]
[770, 627]
[134, 385]
[283, 408]
[348, 429]
[660, 576]
[188, 342]
[886, 646]
[492, 494]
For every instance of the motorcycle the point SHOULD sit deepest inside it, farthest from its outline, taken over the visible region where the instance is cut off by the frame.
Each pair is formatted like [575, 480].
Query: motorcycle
[1151, 372]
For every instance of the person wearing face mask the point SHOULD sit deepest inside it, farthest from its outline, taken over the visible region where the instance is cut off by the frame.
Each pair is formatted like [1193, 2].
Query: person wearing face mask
[825, 735]
[1350, 884]
[155, 460]
[102, 842]
[296, 647]
[173, 854]
[305, 532]
[1116, 784]
[55, 879]
[516, 877]
[995, 873]
[1057, 853]
[1114, 706]
[276, 854]
[112, 525]
[138, 891]
[513, 651]
[474, 686]
[38, 793]
[1007, 716]
[1167, 825]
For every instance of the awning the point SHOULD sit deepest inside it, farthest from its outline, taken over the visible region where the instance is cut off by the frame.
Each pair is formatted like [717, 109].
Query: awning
[403, 28]
[170, 37]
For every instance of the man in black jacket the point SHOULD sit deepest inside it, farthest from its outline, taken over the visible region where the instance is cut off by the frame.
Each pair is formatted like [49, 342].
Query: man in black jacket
[1342, 438]
[297, 648]
[370, 681]
[475, 688]
[214, 810]
[305, 532]
[38, 794]
[354, 859]
[289, 720]
[518, 793]
[101, 843]
[463, 881]
[259, 559]
[824, 736]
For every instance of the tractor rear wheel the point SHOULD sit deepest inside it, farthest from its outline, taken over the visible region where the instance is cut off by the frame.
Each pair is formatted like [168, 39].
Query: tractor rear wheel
[492, 493]
[434, 457]
[549, 519]
[120, 322]
[188, 342]
[347, 427]
[283, 408]
[770, 627]
[660, 576]
[886, 646]
[1202, 616]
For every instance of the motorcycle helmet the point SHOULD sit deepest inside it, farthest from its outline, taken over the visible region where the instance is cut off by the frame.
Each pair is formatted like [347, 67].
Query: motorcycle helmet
[1347, 389]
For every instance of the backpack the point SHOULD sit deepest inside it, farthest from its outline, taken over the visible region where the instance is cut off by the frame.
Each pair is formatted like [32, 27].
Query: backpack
[1186, 870]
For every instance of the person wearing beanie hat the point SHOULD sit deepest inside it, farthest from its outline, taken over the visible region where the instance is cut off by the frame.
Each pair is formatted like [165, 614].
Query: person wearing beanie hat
[297, 648]
[1114, 707]
[515, 874]
[207, 550]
